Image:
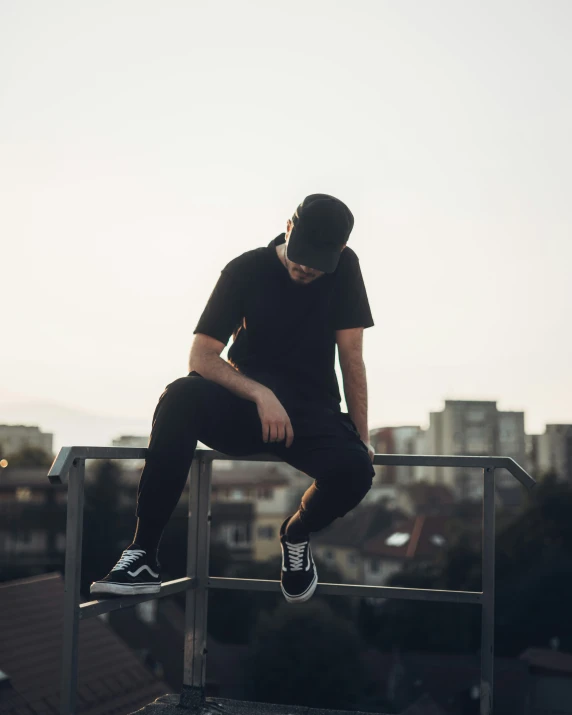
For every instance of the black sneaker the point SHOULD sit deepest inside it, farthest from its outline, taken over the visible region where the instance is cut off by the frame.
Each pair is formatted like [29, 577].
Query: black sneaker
[136, 572]
[299, 577]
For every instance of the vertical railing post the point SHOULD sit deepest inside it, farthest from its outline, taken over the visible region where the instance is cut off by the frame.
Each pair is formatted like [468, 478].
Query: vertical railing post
[190, 696]
[488, 588]
[203, 572]
[72, 579]
[193, 691]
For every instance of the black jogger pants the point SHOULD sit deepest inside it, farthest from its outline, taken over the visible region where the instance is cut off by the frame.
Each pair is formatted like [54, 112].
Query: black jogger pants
[326, 446]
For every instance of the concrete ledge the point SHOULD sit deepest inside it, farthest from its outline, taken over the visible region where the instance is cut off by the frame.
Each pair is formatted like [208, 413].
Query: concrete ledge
[169, 705]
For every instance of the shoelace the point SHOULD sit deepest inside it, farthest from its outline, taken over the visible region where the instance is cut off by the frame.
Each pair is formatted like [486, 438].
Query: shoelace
[296, 555]
[127, 558]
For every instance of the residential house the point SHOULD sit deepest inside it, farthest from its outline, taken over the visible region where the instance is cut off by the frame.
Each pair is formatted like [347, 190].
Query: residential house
[272, 490]
[419, 539]
[340, 545]
[425, 498]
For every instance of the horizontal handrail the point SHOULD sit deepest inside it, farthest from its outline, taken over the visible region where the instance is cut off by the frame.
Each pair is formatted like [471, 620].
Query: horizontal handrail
[66, 456]
[89, 609]
[339, 589]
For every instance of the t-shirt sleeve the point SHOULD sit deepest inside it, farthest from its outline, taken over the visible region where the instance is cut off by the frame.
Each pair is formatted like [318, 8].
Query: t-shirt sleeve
[352, 305]
[223, 311]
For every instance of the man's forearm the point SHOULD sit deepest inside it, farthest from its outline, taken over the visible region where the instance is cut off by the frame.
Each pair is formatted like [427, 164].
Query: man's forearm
[212, 367]
[355, 390]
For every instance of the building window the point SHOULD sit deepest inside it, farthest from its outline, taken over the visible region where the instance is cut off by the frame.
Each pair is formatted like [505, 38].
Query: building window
[374, 566]
[477, 440]
[266, 532]
[265, 493]
[236, 535]
[329, 555]
[352, 559]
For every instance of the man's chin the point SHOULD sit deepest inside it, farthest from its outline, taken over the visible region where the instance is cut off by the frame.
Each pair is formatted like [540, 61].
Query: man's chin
[302, 280]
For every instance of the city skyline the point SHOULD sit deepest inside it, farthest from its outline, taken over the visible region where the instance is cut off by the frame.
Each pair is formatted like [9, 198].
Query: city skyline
[71, 426]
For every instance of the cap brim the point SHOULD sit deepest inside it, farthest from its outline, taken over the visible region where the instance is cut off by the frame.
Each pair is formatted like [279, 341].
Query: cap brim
[305, 254]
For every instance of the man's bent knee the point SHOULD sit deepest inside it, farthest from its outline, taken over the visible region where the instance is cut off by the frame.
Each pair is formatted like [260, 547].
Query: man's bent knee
[360, 484]
[349, 480]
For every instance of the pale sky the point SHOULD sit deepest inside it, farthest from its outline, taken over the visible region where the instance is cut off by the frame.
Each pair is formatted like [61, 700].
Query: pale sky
[143, 145]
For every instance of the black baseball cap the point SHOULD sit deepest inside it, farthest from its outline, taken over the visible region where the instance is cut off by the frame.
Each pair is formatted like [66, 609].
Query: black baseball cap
[322, 225]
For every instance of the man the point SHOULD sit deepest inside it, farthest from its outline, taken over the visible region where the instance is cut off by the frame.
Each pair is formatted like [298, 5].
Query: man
[287, 306]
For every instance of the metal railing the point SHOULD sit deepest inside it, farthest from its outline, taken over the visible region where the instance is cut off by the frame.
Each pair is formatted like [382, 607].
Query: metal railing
[70, 464]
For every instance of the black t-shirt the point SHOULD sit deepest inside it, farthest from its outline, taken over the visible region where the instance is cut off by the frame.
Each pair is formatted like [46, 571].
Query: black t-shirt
[284, 332]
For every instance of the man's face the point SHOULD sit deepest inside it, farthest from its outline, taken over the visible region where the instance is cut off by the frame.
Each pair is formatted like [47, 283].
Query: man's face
[302, 275]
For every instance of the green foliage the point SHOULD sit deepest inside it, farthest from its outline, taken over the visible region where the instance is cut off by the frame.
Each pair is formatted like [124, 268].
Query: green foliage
[233, 614]
[30, 457]
[306, 655]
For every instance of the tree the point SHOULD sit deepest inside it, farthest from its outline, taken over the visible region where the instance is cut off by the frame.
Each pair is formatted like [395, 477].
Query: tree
[306, 655]
[234, 614]
[30, 457]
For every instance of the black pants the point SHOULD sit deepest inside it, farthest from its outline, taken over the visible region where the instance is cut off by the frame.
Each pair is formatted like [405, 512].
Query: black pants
[326, 447]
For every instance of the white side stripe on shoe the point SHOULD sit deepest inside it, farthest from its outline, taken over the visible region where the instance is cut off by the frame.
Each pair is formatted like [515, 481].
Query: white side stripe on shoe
[142, 568]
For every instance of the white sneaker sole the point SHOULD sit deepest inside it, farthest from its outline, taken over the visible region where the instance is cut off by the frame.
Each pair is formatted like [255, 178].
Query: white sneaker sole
[300, 598]
[124, 589]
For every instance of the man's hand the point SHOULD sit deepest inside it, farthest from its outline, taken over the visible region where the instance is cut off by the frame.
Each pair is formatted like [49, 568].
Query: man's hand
[276, 425]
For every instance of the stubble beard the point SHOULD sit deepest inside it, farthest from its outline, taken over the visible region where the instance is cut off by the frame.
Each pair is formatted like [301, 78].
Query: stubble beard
[297, 277]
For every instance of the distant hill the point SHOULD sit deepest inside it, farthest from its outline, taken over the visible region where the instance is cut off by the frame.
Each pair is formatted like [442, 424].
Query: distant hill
[71, 426]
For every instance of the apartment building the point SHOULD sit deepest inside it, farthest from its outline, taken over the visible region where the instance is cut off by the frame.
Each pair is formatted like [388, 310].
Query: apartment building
[554, 451]
[14, 438]
[473, 428]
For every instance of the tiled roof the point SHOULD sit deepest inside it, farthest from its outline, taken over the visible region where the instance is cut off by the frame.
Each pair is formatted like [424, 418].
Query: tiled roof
[111, 680]
[360, 524]
[423, 536]
[423, 494]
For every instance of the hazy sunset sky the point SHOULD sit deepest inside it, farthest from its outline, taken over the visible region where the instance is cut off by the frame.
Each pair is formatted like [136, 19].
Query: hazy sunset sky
[143, 145]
